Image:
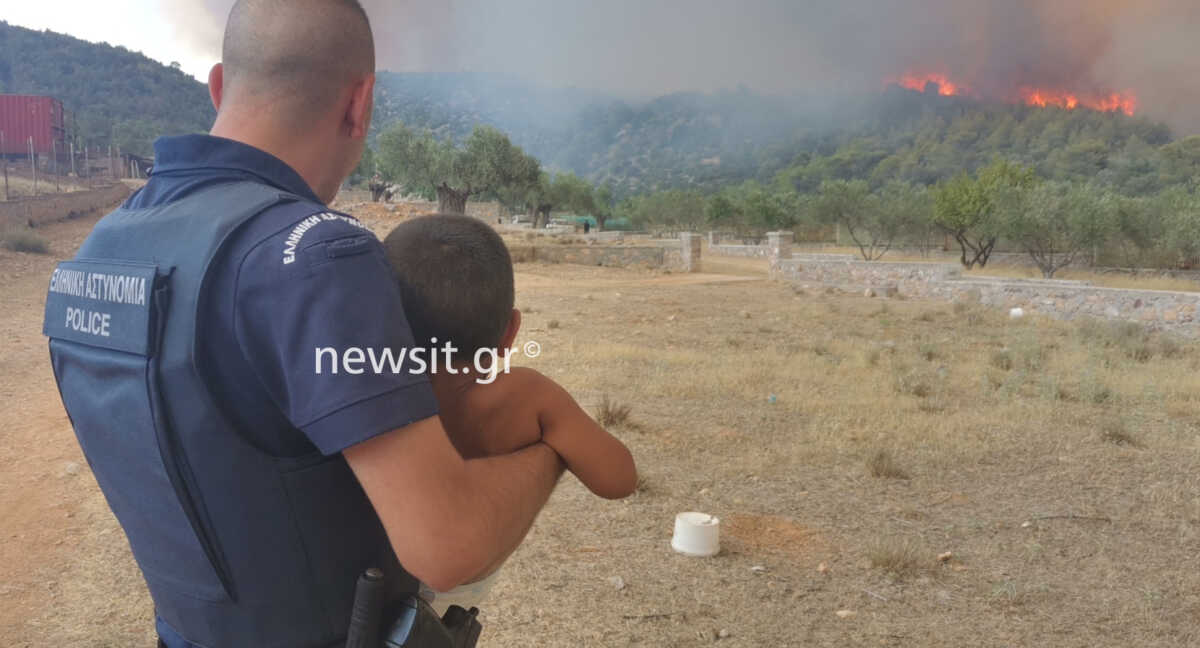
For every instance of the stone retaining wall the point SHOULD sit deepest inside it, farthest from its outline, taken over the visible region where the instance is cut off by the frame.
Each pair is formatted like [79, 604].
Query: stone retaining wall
[1164, 310]
[51, 208]
[751, 251]
[678, 256]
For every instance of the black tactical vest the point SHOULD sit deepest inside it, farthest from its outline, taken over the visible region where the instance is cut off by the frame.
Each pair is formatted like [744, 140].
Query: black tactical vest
[238, 548]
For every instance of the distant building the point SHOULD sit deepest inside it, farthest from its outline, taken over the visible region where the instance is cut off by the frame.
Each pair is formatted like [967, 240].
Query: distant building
[26, 117]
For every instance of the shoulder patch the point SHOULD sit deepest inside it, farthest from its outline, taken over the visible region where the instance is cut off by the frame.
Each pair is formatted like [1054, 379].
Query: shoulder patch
[296, 237]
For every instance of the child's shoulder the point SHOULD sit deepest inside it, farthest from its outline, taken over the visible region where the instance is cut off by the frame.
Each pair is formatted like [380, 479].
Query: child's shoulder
[523, 377]
[517, 383]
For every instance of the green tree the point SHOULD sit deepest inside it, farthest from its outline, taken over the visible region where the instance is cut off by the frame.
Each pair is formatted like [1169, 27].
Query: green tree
[1138, 230]
[965, 208]
[870, 223]
[670, 210]
[1054, 222]
[486, 163]
[365, 170]
[768, 210]
[603, 204]
[722, 212]
[911, 207]
[1180, 210]
[561, 192]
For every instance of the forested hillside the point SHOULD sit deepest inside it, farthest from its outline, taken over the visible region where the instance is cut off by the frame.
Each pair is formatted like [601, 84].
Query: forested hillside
[691, 141]
[707, 141]
[112, 95]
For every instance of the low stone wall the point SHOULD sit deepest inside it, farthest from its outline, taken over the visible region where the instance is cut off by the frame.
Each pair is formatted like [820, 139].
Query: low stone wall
[51, 208]
[354, 200]
[678, 256]
[1164, 310]
[909, 277]
[751, 251]
[1159, 309]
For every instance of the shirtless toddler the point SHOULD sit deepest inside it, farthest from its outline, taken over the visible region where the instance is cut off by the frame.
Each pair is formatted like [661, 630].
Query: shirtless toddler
[456, 280]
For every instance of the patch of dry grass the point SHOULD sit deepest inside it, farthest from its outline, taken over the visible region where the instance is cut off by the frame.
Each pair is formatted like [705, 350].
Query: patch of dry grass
[612, 413]
[20, 186]
[1116, 432]
[897, 557]
[23, 240]
[883, 464]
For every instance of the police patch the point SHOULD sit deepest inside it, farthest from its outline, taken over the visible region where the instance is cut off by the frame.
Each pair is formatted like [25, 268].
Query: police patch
[102, 304]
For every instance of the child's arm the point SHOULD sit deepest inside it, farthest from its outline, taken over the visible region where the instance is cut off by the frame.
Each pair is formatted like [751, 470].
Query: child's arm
[502, 434]
[596, 457]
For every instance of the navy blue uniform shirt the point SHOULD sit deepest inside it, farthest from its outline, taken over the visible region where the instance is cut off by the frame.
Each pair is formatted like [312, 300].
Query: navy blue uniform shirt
[294, 279]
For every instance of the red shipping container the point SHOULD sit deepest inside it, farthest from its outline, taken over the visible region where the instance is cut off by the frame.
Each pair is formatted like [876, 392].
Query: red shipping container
[26, 116]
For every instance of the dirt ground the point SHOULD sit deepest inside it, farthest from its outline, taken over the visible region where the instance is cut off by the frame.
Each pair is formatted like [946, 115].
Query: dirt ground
[846, 444]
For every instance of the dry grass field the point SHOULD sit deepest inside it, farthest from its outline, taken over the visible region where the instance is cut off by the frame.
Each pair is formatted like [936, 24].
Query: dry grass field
[23, 187]
[887, 473]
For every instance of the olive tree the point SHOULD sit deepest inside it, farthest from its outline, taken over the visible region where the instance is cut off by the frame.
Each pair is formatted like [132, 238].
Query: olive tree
[1180, 210]
[1139, 230]
[603, 205]
[485, 163]
[872, 226]
[1055, 222]
[965, 207]
[562, 192]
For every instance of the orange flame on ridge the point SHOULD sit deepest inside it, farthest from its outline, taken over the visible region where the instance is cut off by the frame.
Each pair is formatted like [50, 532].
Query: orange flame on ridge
[1125, 102]
[919, 82]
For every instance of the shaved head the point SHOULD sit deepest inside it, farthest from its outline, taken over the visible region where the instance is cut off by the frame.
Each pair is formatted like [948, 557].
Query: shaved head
[298, 56]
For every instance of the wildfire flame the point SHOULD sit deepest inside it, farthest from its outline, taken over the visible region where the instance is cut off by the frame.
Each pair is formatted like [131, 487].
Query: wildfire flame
[919, 82]
[1125, 102]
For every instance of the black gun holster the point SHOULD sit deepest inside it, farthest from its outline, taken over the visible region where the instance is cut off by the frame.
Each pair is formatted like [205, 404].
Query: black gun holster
[411, 623]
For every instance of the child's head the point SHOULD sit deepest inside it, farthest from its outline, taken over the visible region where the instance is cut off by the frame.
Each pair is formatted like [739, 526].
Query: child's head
[456, 280]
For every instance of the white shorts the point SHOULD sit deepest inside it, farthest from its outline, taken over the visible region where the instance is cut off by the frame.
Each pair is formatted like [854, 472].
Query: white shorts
[465, 596]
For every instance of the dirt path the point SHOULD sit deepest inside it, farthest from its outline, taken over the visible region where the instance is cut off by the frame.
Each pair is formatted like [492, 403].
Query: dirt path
[45, 487]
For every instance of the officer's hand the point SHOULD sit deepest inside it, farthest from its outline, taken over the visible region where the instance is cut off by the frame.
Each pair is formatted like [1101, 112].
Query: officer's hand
[450, 520]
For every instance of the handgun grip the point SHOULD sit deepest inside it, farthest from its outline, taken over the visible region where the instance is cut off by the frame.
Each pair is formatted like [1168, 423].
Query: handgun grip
[366, 618]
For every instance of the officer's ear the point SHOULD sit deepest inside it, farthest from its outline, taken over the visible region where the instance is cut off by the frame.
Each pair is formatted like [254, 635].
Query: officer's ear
[358, 112]
[216, 85]
[510, 333]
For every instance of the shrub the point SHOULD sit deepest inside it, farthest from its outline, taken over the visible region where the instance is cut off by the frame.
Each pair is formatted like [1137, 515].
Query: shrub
[24, 240]
[1030, 353]
[1002, 360]
[1133, 340]
[1115, 432]
[928, 351]
[922, 382]
[883, 465]
[899, 558]
[612, 414]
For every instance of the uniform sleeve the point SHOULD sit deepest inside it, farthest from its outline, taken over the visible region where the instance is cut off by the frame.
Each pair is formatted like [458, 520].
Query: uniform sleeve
[319, 318]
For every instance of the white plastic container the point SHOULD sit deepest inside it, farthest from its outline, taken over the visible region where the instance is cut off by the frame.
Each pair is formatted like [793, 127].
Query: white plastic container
[697, 534]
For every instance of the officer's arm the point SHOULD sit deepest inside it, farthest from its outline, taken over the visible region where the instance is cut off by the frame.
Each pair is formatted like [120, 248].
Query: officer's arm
[451, 520]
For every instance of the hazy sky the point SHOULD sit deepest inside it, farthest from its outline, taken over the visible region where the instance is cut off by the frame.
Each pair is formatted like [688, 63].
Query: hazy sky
[652, 47]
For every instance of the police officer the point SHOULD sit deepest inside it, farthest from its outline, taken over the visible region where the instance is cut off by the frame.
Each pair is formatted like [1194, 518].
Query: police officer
[253, 489]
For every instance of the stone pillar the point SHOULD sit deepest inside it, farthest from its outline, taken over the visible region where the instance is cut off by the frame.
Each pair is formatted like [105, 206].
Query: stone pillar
[690, 251]
[713, 238]
[779, 249]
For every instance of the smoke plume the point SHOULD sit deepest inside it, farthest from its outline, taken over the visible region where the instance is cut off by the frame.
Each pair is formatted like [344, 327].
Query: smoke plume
[642, 48]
